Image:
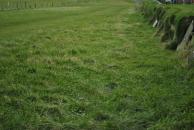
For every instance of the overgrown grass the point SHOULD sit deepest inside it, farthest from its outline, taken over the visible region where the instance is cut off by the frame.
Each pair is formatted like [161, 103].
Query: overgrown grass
[95, 66]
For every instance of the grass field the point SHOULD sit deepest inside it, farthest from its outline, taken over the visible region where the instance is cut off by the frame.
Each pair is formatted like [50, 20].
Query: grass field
[31, 4]
[91, 67]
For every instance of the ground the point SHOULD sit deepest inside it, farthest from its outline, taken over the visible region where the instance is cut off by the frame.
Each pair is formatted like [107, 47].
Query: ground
[91, 67]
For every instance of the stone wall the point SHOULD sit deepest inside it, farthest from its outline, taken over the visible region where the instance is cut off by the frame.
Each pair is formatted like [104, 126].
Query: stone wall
[173, 26]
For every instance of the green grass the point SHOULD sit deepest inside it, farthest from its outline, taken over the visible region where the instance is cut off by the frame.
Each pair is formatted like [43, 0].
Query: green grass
[174, 20]
[30, 4]
[91, 67]
[179, 10]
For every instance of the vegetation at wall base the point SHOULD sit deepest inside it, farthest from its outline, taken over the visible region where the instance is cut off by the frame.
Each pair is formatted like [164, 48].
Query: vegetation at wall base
[174, 20]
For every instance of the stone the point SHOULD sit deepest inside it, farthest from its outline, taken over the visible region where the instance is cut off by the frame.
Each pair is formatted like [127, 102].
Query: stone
[155, 23]
[186, 38]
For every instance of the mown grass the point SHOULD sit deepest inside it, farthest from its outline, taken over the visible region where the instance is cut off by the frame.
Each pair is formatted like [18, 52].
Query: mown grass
[95, 66]
[30, 4]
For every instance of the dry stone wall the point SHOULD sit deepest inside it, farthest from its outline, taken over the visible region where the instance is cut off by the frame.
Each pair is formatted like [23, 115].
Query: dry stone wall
[175, 28]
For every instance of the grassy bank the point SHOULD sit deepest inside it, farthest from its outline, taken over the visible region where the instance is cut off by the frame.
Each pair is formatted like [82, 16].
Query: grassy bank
[95, 66]
[174, 20]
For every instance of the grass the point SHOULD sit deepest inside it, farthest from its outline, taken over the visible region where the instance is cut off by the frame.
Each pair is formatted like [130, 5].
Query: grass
[30, 4]
[174, 20]
[178, 10]
[95, 66]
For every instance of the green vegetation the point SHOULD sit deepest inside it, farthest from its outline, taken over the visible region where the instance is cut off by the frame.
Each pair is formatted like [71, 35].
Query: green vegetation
[26, 4]
[174, 20]
[91, 67]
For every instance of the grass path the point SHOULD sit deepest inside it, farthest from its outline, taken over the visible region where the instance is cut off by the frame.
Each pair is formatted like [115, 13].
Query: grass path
[91, 67]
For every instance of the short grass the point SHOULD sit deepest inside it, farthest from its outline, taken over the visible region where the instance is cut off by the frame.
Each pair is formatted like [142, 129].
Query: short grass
[29, 4]
[91, 67]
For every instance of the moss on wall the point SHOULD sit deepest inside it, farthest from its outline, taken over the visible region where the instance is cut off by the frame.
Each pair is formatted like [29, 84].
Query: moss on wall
[173, 20]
